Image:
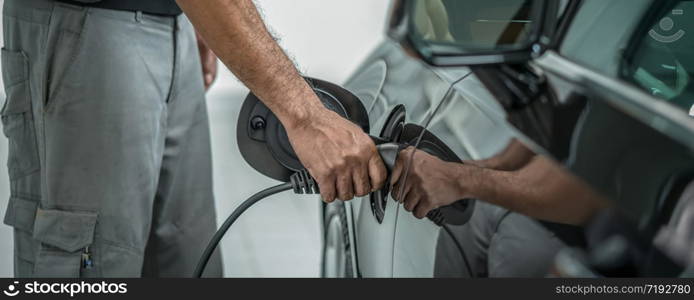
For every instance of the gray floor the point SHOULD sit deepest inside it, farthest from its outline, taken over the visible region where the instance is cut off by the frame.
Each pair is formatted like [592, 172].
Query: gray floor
[279, 237]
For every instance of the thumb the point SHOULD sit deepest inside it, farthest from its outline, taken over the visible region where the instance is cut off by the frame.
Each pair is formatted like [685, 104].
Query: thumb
[397, 170]
[400, 164]
[377, 172]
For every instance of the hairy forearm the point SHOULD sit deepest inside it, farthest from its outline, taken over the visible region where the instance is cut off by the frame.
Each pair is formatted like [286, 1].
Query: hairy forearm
[236, 33]
[541, 189]
[512, 158]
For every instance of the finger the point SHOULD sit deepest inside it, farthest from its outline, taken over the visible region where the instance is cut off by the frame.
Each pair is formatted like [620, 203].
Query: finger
[209, 66]
[327, 188]
[360, 178]
[377, 172]
[422, 209]
[402, 189]
[407, 189]
[395, 192]
[209, 78]
[212, 64]
[397, 171]
[345, 188]
[400, 165]
[411, 201]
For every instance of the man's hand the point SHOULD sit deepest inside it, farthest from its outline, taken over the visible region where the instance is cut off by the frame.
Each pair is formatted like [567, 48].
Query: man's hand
[541, 189]
[430, 184]
[209, 62]
[340, 157]
[336, 152]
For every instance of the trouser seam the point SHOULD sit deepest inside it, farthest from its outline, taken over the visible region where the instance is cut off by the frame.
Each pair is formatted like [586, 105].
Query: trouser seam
[175, 69]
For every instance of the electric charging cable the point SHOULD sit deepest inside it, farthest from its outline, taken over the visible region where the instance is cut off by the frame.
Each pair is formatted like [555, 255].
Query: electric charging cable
[301, 182]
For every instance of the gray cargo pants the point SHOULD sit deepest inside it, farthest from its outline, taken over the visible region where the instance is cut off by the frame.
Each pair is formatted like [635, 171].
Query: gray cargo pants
[497, 243]
[109, 144]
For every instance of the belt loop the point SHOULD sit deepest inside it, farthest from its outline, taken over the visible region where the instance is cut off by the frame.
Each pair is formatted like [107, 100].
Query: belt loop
[138, 16]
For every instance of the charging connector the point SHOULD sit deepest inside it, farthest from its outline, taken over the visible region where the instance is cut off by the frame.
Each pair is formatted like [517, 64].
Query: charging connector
[303, 183]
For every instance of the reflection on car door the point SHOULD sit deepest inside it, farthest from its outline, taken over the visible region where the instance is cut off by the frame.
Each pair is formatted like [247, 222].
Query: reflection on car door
[418, 89]
[471, 124]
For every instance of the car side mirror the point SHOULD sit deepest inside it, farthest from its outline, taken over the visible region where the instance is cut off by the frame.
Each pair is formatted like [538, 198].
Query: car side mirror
[471, 32]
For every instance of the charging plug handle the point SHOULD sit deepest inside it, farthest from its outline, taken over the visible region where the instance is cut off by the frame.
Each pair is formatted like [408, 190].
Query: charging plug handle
[457, 213]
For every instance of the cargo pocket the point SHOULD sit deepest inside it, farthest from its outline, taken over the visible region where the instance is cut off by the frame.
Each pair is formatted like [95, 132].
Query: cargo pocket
[65, 238]
[17, 119]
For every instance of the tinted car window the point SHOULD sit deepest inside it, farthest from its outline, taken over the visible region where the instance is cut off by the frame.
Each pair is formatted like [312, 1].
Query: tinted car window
[662, 62]
[600, 31]
[474, 24]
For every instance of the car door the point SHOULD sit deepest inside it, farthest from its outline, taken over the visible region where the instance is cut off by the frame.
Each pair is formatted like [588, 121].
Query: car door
[634, 137]
[395, 89]
[597, 117]
[470, 122]
[616, 108]
[466, 122]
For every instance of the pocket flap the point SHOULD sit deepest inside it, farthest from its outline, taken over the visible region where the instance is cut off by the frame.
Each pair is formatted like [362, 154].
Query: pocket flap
[15, 73]
[69, 231]
[21, 213]
[14, 64]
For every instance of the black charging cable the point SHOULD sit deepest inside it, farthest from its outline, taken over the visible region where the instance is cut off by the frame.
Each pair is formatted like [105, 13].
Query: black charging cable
[459, 245]
[204, 259]
[301, 182]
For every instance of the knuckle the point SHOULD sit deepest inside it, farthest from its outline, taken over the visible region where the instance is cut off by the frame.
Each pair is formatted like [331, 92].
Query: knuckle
[320, 178]
[363, 191]
[356, 153]
[340, 163]
[381, 178]
[320, 175]
[359, 191]
[368, 152]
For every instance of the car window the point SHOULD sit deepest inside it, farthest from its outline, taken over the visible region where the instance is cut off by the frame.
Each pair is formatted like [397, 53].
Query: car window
[661, 61]
[601, 30]
[480, 24]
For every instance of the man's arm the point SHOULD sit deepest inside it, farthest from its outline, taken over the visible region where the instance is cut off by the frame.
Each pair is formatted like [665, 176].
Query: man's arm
[541, 189]
[512, 158]
[341, 158]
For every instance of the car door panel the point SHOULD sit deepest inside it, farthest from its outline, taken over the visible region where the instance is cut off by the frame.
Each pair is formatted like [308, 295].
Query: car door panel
[374, 240]
[620, 133]
[473, 130]
[415, 246]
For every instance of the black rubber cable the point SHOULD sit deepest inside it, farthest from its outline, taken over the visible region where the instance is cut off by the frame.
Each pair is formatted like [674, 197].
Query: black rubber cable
[212, 245]
[457, 243]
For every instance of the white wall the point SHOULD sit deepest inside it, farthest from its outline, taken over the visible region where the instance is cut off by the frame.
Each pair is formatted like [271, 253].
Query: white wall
[327, 39]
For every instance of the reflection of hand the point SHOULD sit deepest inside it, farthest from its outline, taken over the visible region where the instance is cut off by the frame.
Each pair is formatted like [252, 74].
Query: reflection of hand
[430, 184]
[339, 155]
[209, 62]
